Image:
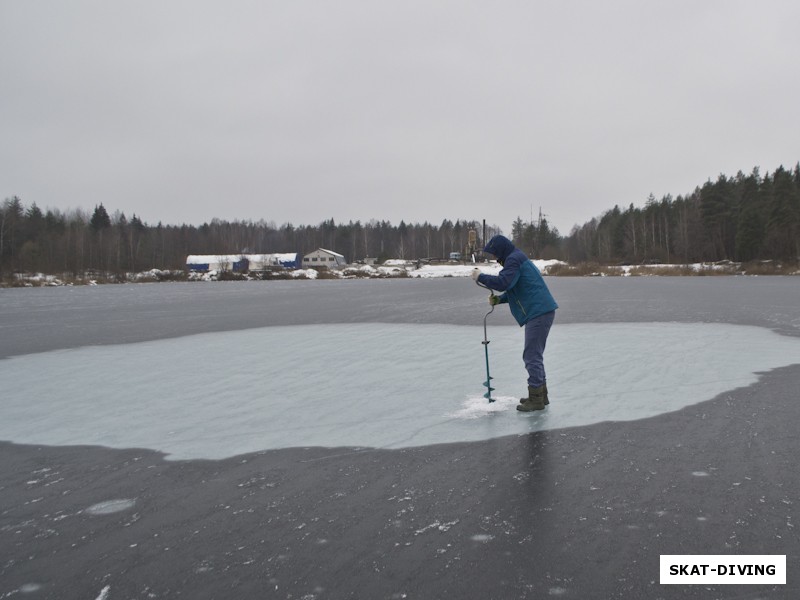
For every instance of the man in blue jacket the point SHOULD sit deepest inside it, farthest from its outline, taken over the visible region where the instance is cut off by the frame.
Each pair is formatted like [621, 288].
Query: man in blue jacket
[532, 305]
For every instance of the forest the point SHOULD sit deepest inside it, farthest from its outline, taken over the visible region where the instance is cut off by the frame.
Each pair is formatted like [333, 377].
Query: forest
[739, 218]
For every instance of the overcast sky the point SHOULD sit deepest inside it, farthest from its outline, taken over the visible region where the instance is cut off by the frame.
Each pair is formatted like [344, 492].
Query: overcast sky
[300, 111]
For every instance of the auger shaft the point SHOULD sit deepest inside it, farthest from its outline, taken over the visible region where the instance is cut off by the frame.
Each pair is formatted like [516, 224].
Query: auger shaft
[485, 342]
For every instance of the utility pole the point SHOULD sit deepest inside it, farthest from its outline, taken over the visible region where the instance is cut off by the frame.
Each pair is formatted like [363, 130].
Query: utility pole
[537, 236]
[533, 233]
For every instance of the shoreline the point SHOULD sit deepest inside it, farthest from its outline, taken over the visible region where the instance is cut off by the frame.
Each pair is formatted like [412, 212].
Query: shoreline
[410, 270]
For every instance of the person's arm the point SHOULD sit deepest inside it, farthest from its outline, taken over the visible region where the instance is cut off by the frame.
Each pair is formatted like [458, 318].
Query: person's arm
[507, 278]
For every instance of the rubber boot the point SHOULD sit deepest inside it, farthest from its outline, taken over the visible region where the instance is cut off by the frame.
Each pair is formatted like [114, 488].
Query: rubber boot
[546, 398]
[534, 401]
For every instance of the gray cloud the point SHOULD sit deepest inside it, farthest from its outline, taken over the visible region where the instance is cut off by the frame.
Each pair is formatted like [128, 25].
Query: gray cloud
[302, 111]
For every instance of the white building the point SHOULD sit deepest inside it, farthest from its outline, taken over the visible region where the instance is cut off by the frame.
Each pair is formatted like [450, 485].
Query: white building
[241, 263]
[323, 258]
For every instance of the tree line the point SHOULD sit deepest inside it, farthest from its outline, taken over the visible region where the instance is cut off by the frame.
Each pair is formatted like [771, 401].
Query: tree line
[741, 218]
[76, 242]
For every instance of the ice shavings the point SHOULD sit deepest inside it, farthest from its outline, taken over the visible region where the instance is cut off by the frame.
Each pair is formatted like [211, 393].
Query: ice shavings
[477, 407]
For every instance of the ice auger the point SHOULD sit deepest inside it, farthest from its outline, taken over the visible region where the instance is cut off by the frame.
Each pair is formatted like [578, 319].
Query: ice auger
[485, 342]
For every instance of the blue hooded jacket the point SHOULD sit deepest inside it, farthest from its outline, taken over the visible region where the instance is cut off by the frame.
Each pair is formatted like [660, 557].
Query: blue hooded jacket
[524, 288]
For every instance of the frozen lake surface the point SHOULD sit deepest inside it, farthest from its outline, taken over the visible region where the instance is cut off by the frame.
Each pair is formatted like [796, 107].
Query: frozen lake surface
[368, 384]
[215, 370]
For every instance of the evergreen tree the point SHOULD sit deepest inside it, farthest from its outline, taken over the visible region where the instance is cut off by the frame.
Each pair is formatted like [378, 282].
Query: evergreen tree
[716, 206]
[11, 219]
[783, 221]
[751, 230]
[100, 219]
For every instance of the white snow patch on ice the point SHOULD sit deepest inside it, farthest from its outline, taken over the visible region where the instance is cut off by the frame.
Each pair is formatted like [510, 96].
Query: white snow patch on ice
[104, 593]
[218, 395]
[29, 588]
[109, 507]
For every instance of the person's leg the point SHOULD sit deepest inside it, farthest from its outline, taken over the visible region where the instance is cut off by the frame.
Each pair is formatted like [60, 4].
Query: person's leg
[536, 332]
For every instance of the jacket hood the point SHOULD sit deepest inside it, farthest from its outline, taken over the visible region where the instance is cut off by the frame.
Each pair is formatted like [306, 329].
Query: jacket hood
[500, 246]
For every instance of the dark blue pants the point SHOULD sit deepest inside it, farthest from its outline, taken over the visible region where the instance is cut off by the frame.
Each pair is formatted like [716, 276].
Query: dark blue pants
[536, 331]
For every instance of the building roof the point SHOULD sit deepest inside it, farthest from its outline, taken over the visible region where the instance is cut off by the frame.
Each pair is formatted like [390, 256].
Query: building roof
[331, 252]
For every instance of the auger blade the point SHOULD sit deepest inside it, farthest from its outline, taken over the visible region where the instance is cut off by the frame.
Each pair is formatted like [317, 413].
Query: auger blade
[488, 394]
